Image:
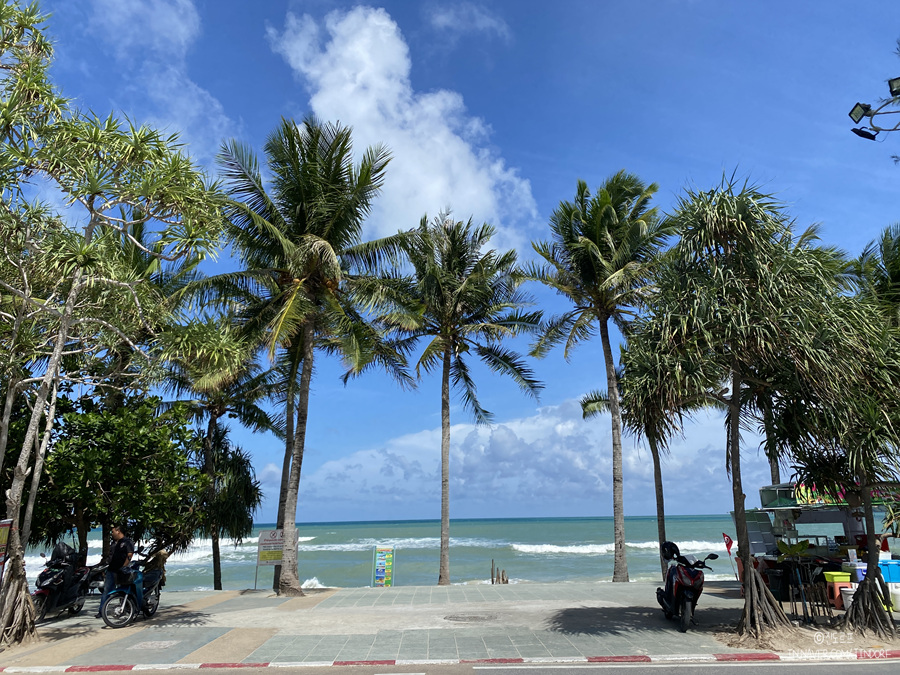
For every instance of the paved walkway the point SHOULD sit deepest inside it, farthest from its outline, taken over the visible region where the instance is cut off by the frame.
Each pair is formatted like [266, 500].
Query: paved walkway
[575, 622]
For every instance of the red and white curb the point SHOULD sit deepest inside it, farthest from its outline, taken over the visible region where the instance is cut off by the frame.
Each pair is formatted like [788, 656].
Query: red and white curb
[813, 655]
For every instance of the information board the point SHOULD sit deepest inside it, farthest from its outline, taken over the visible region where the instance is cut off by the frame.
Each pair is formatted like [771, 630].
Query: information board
[271, 542]
[383, 573]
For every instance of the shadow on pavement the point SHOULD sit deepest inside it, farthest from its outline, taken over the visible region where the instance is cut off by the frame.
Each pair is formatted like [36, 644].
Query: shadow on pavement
[624, 620]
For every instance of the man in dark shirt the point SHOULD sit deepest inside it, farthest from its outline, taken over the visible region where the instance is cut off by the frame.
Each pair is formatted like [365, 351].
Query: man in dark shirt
[120, 556]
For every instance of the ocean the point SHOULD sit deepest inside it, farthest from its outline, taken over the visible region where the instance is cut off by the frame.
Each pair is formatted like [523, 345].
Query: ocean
[528, 549]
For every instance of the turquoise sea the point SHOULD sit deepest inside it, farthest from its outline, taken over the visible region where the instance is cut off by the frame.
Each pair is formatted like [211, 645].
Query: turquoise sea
[530, 550]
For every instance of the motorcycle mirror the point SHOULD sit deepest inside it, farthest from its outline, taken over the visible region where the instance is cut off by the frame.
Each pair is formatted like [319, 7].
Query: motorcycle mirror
[43, 555]
[712, 556]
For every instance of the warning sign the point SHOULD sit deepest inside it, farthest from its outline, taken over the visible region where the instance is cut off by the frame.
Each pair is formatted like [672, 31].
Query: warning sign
[269, 549]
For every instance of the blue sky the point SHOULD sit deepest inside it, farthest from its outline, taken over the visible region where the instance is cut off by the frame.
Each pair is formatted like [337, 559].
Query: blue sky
[496, 110]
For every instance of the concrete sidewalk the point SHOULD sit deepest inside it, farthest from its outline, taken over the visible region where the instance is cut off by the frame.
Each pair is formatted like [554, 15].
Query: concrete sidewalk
[563, 622]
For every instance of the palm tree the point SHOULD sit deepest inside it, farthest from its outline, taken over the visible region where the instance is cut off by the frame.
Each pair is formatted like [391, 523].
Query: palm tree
[298, 241]
[213, 362]
[603, 249]
[464, 300]
[647, 402]
[236, 495]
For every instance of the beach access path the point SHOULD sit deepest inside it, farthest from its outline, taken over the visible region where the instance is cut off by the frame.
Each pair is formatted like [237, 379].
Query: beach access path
[516, 623]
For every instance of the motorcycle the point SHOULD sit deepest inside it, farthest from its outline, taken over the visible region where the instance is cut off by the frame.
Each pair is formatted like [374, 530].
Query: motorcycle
[63, 584]
[684, 584]
[137, 590]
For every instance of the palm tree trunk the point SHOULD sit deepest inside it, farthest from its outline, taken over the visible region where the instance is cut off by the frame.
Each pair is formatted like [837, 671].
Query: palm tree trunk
[660, 502]
[620, 564]
[209, 469]
[444, 571]
[289, 583]
[288, 453]
[217, 560]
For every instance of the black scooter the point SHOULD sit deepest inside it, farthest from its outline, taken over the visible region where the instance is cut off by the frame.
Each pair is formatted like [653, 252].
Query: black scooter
[63, 584]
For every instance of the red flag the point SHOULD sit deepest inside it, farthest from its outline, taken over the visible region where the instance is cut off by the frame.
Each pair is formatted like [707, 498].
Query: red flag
[728, 543]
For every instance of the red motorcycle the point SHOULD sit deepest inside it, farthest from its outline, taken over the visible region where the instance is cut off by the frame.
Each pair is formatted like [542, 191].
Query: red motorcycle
[684, 584]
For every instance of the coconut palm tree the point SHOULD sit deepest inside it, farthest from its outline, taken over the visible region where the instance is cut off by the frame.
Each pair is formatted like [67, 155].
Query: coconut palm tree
[463, 300]
[213, 362]
[602, 251]
[298, 238]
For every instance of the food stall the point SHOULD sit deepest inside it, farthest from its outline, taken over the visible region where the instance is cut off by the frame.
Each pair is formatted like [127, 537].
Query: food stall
[835, 530]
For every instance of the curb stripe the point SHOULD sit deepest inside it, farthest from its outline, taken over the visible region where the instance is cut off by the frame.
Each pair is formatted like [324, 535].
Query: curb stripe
[236, 664]
[748, 656]
[635, 658]
[873, 654]
[878, 654]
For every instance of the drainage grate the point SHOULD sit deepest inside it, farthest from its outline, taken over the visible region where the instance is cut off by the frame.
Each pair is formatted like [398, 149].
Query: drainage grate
[471, 618]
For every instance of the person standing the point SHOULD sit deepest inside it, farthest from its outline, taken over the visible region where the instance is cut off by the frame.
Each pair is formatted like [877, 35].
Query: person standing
[120, 556]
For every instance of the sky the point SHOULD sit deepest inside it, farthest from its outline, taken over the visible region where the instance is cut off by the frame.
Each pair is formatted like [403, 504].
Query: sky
[494, 111]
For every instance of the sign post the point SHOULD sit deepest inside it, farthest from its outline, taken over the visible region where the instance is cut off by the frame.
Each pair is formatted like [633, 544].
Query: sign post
[271, 543]
[383, 566]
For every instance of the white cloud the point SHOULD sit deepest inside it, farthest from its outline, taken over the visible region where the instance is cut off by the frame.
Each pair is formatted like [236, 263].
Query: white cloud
[465, 17]
[151, 38]
[358, 72]
[551, 463]
[162, 26]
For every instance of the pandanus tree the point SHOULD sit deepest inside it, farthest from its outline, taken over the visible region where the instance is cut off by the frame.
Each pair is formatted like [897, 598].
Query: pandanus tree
[740, 299]
[299, 239]
[115, 175]
[600, 257]
[463, 299]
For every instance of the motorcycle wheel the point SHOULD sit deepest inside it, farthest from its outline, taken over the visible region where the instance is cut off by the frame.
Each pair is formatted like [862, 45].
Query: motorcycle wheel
[151, 602]
[40, 606]
[685, 614]
[119, 610]
[76, 608]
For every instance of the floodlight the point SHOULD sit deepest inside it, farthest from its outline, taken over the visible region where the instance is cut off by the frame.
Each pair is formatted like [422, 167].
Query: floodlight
[859, 111]
[862, 133]
[894, 86]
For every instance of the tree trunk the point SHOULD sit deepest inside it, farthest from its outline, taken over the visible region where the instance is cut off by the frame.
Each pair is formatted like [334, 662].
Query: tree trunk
[289, 583]
[40, 455]
[288, 453]
[209, 468]
[217, 560]
[12, 382]
[620, 564]
[774, 470]
[444, 569]
[12, 615]
[867, 611]
[9, 400]
[761, 609]
[660, 502]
